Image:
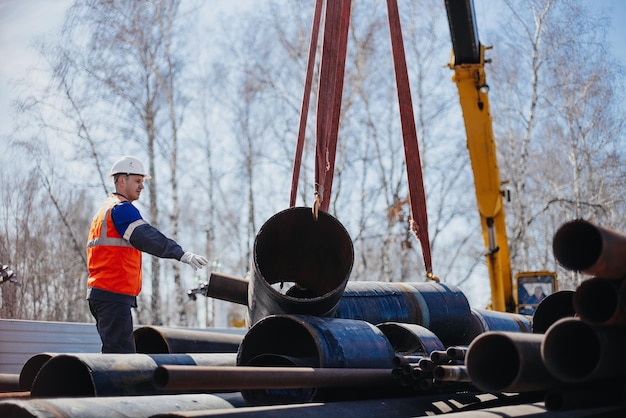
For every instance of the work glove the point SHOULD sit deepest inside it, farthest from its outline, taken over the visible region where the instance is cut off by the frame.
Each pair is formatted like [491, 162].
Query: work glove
[194, 260]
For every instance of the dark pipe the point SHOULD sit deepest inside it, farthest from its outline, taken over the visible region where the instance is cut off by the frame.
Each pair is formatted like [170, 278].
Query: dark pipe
[576, 351]
[96, 374]
[484, 320]
[499, 361]
[582, 246]
[124, 406]
[410, 338]
[441, 308]
[597, 301]
[164, 340]
[311, 259]
[31, 368]
[194, 378]
[330, 342]
[555, 306]
[230, 288]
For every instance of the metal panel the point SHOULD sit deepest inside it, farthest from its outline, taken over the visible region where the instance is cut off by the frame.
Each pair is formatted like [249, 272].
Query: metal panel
[21, 339]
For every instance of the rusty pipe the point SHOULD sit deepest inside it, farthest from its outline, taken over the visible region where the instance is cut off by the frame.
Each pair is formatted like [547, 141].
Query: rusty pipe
[96, 374]
[499, 361]
[299, 265]
[597, 301]
[576, 351]
[457, 353]
[166, 340]
[555, 306]
[180, 378]
[583, 246]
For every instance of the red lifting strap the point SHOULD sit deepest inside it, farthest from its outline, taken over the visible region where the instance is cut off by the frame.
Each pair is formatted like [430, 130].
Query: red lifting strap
[417, 197]
[336, 25]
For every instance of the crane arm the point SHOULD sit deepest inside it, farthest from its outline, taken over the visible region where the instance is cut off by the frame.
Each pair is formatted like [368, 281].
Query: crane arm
[468, 63]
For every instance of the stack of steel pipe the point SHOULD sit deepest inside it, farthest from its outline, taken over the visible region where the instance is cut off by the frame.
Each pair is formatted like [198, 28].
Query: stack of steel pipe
[575, 349]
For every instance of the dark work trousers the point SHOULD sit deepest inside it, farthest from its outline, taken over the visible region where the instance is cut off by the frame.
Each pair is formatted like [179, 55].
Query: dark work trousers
[114, 322]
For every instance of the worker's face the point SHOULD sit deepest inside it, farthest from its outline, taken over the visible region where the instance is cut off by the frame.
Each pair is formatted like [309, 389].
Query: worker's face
[130, 186]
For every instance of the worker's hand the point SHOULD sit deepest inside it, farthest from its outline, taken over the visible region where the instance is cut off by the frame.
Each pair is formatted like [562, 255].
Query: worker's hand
[194, 260]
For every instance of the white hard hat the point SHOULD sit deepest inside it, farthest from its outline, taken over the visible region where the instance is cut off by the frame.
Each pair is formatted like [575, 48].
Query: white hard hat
[129, 165]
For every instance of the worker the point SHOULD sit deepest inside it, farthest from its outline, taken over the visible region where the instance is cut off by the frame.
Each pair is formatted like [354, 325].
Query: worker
[117, 238]
[536, 297]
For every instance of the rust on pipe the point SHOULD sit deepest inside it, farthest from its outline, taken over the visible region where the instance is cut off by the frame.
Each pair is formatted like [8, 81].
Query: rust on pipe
[576, 351]
[499, 361]
[165, 340]
[180, 378]
[407, 339]
[597, 301]
[582, 246]
[457, 353]
[555, 306]
[299, 265]
[96, 374]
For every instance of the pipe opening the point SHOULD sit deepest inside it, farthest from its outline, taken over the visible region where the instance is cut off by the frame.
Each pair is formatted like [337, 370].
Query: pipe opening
[63, 376]
[267, 338]
[150, 341]
[562, 347]
[577, 245]
[301, 257]
[596, 300]
[410, 338]
[493, 362]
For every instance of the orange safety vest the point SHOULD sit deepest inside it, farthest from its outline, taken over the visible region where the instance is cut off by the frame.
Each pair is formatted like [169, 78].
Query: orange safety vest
[113, 263]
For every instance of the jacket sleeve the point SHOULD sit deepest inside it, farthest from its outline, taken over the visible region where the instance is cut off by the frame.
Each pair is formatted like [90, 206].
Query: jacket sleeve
[143, 236]
[148, 239]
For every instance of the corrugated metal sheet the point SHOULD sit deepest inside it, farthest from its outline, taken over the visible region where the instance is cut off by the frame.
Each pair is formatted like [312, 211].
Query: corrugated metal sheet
[20, 340]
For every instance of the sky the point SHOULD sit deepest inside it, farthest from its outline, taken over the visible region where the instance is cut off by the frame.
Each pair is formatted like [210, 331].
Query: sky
[21, 21]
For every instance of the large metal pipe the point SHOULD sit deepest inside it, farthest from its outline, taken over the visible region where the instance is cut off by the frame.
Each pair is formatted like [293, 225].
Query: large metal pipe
[441, 308]
[119, 407]
[576, 351]
[499, 361]
[484, 320]
[166, 340]
[597, 301]
[580, 245]
[555, 306]
[31, 367]
[96, 374]
[321, 341]
[311, 259]
[194, 378]
[409, 339]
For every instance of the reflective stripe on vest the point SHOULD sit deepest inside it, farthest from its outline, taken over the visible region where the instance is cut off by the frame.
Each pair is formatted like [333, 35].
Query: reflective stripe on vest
[114, 264]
